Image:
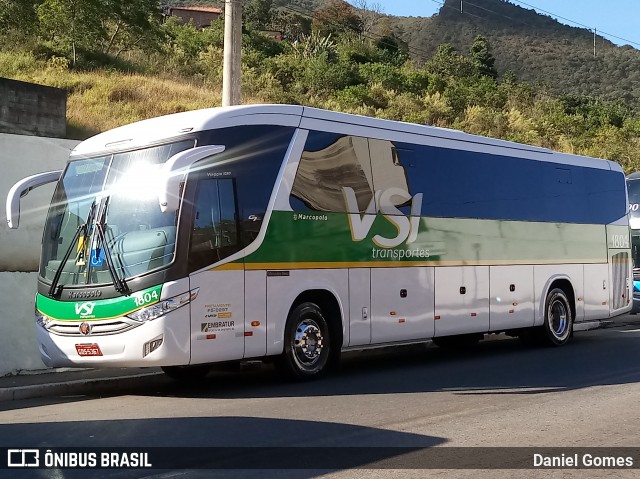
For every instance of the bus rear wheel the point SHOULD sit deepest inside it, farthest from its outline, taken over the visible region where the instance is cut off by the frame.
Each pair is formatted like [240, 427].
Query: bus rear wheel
[558, 319]
[558, 322]
[307, 343]
[187, 373]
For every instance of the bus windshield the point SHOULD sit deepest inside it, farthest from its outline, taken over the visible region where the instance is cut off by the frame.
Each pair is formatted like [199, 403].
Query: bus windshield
[119, 191]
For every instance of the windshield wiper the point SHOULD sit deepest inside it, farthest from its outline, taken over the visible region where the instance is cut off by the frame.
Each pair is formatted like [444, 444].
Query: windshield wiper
[119, 283]
[54, 289]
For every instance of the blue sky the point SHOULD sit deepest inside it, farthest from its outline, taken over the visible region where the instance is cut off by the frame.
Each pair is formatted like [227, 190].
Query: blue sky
[615, 17]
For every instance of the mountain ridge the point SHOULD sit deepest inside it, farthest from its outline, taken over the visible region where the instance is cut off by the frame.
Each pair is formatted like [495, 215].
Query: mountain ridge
[535, 47]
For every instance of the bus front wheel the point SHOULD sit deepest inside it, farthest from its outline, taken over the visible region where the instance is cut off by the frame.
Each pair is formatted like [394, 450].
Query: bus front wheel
[307, 343]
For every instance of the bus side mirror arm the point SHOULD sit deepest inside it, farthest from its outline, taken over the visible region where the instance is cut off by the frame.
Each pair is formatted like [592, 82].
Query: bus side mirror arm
[173, 171]
[22, 188]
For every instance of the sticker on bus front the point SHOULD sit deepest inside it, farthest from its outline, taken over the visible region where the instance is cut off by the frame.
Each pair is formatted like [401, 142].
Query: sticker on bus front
[97, 257]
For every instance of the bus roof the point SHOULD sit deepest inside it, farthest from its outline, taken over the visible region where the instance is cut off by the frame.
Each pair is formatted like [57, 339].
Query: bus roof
[159, 129]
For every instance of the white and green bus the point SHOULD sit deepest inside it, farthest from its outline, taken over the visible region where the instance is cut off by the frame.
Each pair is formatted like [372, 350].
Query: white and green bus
[292, 233]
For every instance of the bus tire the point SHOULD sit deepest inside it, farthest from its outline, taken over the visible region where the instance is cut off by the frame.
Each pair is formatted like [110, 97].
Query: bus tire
[558, 319]
[307, 343]
[187, 374]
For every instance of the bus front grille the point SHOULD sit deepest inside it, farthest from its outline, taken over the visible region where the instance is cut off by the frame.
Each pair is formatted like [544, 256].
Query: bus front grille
[91, 328]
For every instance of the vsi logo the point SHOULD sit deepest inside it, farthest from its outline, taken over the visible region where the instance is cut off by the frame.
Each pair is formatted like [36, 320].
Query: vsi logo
[387, 201]
[85, 309]
[23, 458]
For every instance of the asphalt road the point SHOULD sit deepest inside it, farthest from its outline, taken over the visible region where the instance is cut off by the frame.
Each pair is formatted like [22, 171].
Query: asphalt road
[500, 395]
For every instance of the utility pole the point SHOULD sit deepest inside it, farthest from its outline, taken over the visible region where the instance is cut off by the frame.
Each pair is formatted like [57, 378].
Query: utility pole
[232, 68]
[594, 42]
[461, 6]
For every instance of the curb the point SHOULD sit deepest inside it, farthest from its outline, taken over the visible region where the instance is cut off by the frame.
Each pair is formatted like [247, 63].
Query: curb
[75, 387]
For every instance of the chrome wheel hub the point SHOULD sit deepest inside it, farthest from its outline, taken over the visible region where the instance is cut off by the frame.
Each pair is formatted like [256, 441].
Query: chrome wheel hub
[558, 318]
[308, 341]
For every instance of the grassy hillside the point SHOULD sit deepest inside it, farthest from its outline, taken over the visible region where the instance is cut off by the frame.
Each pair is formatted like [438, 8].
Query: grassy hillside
[102, 99]
[537, 48]
[179, 68]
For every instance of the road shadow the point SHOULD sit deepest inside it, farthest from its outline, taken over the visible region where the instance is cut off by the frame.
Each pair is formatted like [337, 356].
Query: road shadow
[239, 445]
[501, 366]
[504, 366]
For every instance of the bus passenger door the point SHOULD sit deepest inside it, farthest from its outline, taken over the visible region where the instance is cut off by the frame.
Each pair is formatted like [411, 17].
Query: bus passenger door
[217, 313]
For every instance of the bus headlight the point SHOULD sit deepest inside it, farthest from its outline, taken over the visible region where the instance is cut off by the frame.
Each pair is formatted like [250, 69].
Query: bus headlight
[163, 307]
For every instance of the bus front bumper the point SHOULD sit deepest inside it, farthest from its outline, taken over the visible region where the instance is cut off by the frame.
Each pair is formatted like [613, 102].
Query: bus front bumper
[161, 342]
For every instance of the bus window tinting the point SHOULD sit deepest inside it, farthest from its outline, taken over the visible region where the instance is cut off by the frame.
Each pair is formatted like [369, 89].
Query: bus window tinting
[253, 156]
[214, 235]
[508, 188]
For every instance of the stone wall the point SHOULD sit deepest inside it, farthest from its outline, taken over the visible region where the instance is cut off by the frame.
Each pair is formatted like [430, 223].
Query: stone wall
[29, 109]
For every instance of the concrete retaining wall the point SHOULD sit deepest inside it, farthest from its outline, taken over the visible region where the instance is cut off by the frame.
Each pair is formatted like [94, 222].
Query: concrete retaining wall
[29, 109]
[18, 345]
[22, 156]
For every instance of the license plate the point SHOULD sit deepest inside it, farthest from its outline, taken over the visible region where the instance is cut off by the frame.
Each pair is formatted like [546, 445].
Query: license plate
[88, 350]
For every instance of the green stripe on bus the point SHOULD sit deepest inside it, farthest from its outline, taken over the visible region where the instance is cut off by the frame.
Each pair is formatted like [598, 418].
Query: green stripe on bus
[328, 238]
[98, 308]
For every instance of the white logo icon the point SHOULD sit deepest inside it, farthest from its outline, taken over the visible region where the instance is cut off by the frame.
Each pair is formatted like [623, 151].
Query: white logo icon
[23, 458]
[85, 309]
[387, 201]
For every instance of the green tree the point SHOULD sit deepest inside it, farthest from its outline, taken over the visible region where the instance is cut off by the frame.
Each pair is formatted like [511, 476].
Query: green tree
[482, 58]
[18, 15]
[291, 25]
[257, 14]
[447, 62]
[71, 24]
[395, 48]
[336, 18]
[132, 23]
[97, 25]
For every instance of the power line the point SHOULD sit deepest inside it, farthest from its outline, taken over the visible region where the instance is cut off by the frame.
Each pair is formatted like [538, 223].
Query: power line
[555, 15]
[442, 4]
[424, 55]
[592, 29]
[499, 14]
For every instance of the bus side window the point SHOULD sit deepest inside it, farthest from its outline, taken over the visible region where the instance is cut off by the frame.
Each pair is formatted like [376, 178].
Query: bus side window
[329, 164]
[214, 235]
[389, 165]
